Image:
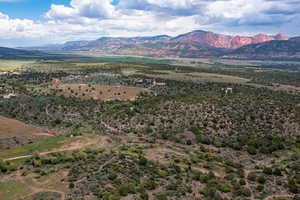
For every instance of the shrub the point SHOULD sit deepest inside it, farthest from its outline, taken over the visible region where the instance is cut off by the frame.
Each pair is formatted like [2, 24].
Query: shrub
[3, 166]
[126, 189]
[161, 196]
[142, 160]
[112, 176]
[268, 170]
[251, 150]
[243, 192]
[71, 185]
[150, 184]
[224, 188]
[277, 172]
[260, 188]
[189, 189]
[114, 197]
[199, 138]
[251, 176]
[209, 192]
[144, 196]
[242, 182]
[296, 197]
[261, 180]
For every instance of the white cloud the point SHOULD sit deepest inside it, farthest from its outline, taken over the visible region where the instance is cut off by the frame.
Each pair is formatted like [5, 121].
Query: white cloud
[60, 12]
[235, 9]
[87, 9]
[3, 16]
[174, 4]
[90, 19]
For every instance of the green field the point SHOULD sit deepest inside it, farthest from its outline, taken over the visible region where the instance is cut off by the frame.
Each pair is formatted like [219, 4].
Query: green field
[38, 147]
[13, 190]
[129, 60]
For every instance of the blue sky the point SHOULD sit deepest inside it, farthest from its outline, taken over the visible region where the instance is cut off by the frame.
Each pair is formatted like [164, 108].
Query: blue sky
[30, 9]
[38, 22]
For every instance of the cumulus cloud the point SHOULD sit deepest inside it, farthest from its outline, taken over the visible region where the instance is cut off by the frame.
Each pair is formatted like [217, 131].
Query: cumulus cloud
[78, 8]
[173, 4]
[90, 19]
[254, 12]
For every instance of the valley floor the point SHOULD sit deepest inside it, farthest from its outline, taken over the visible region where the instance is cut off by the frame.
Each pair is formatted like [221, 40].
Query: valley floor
[134, 128]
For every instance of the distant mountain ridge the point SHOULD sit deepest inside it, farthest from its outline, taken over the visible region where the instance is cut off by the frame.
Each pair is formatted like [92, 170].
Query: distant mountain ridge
[10, 53]
[197, 43]
[276, 49]
[225, 41]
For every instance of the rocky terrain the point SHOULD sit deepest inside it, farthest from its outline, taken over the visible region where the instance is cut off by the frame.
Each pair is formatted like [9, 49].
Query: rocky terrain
[275, 49]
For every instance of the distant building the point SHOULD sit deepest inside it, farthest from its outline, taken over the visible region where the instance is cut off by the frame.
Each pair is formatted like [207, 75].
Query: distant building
[158, 83]
[11, 95]
[227, 90]
[139, 80]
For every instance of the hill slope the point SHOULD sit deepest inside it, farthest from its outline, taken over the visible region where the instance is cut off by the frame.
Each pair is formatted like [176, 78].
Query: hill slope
[289, 49]
[9, 53]
[11, 127]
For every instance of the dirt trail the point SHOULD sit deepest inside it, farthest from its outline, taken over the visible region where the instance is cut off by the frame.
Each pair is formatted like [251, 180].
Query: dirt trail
[44, 134]
[276, 196]
[72, 146]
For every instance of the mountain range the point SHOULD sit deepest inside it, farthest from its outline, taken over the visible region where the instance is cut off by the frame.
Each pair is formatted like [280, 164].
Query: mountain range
[9, 53]
[195, 44]
[275, 49]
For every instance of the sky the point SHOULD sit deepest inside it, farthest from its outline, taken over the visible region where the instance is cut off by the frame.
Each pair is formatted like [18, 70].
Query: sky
[41, 22]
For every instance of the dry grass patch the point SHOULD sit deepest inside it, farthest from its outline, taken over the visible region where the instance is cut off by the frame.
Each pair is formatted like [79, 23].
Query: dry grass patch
[11, 65]
[207, 77]
[11, 127]
[99, 92]
[163, 155]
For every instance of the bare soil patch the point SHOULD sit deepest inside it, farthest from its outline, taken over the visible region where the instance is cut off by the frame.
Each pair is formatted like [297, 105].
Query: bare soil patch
[11, 127]
[99, 92]
[162, 155]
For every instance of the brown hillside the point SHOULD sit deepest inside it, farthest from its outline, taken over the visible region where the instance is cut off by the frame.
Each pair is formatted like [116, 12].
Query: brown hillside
[10, 127]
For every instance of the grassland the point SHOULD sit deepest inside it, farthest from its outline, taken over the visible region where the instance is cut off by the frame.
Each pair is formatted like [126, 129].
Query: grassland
[34, 187]
[47, 144]
[12, 65]
[196, 76]
[12, 190]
